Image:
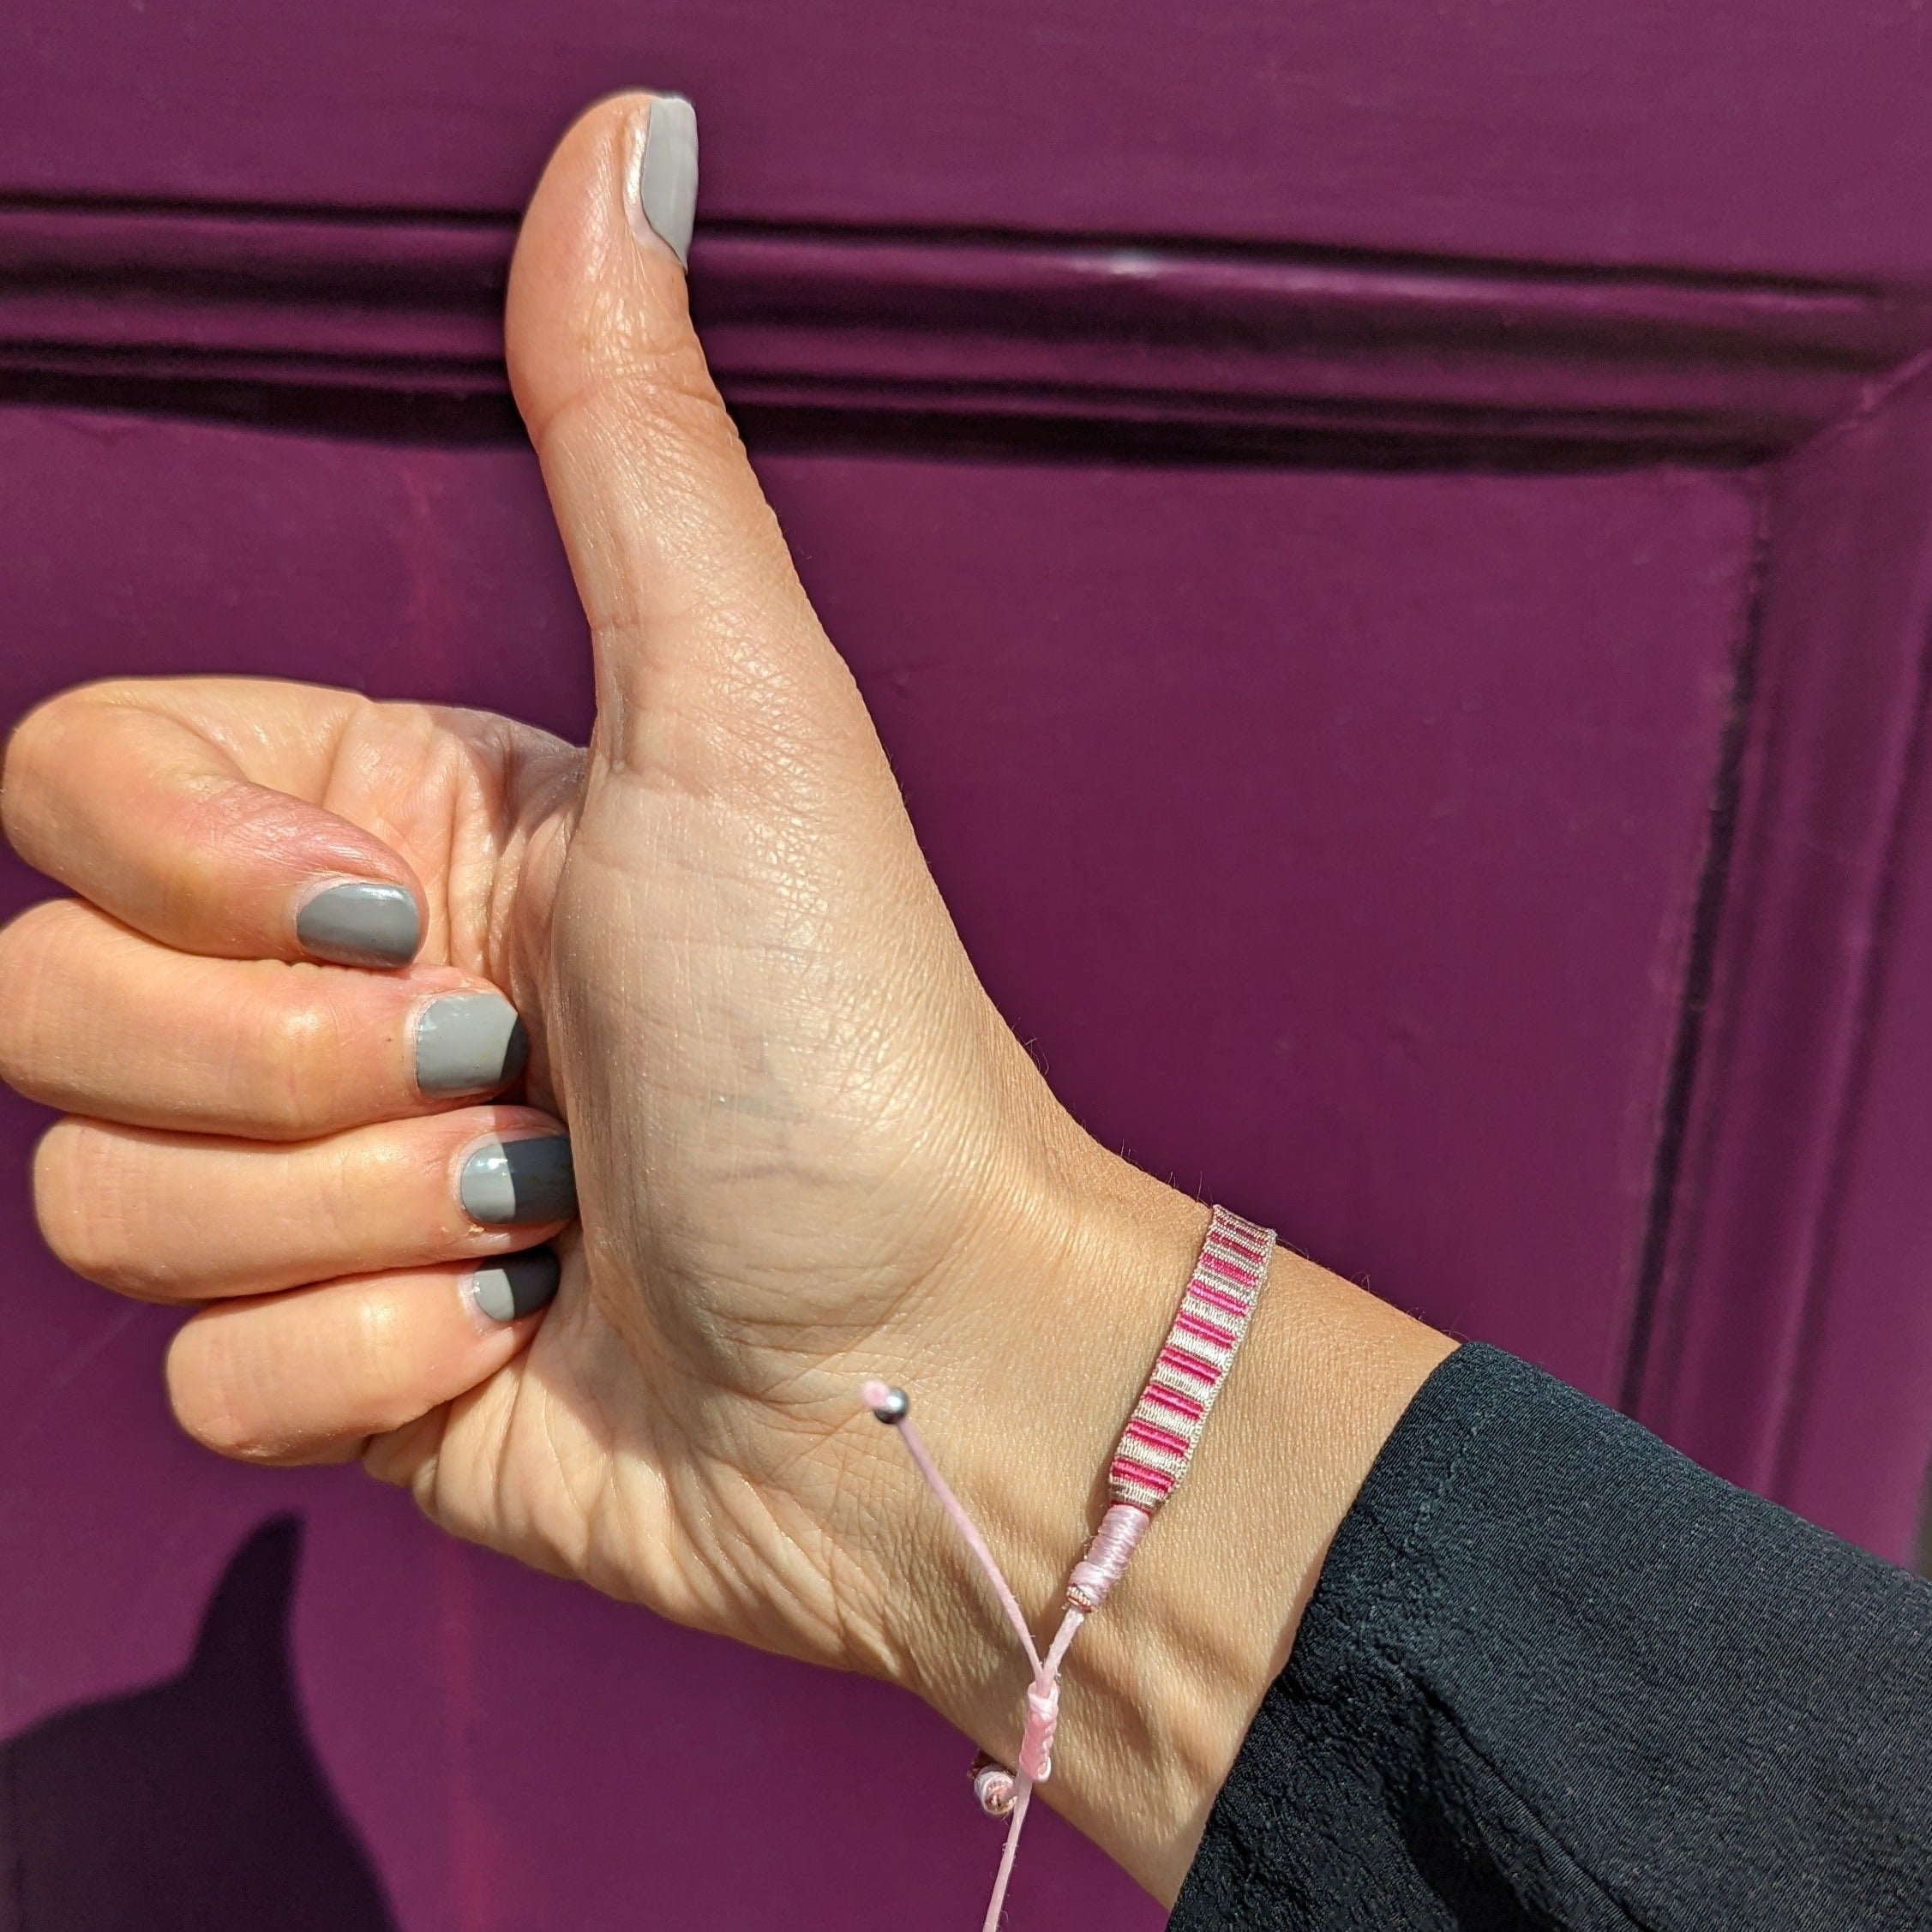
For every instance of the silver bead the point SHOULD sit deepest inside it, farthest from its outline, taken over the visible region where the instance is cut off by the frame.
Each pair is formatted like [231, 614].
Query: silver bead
[993, 1786]
[894, 1407]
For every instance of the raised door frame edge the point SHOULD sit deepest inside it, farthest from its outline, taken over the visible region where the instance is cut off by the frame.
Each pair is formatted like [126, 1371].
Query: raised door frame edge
[1751, 1341]
[1088, 343]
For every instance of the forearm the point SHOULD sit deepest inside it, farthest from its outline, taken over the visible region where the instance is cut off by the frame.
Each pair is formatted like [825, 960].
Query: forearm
[1161, 1685]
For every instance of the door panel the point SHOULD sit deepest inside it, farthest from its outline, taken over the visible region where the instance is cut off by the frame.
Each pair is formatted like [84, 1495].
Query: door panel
[1464, 791]
[1775, 136]
[1110, 692]
[1461, 474]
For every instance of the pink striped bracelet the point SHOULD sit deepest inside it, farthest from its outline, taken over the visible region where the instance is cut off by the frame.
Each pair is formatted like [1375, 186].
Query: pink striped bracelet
[1148, 1464]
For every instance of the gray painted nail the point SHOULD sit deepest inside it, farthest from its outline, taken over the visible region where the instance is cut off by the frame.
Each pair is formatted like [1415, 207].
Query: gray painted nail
[360, 924]
[469, 1043]
[518, 1285]
[520, 1183]
[668, 179]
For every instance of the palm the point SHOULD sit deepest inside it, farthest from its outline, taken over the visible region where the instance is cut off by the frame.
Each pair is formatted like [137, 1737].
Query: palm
[747, 1033]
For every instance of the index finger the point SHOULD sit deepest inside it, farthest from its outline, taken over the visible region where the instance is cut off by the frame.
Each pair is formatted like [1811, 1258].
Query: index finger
[122, 793]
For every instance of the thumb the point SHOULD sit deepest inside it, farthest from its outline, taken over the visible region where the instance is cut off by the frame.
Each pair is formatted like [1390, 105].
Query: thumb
[711, 668]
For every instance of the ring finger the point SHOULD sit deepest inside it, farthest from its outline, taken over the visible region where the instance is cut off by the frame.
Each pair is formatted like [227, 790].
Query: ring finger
[175, 1217]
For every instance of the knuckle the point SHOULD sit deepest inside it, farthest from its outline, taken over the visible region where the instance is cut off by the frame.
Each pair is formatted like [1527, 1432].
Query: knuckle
[376, 1354]
[30, 756]
[33, 971]
[303, 1046]
[81, 1203]
[229, 1392]
[26, 938]
[647, 371]
[207, 1391]
[342, 1186]
[39, 752]
[639, 329]
[217, 1427]
[400, 1175]
[667, 371]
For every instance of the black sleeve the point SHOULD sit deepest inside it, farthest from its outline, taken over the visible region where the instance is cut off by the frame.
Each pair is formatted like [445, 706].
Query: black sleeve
[1555, 1676]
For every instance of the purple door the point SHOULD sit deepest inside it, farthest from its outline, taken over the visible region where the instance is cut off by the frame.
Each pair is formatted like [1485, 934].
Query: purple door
[1472, 465]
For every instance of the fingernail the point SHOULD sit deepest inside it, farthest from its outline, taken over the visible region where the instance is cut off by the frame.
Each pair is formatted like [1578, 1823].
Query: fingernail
[518, 1285]
[360, 924]
[469, 1043]
[667, 176]
[520, 1183]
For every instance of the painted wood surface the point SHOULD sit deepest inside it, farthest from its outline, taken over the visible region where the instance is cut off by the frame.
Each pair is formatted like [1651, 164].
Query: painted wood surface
[1785, 137]
[1790, 1302]
[1469, 462]
[1437, 1058]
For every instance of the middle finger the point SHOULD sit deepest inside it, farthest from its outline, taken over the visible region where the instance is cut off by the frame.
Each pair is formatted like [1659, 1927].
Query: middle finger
[95, 1019]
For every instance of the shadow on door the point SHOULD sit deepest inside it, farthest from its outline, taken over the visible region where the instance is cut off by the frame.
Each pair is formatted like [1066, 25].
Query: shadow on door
[195, 1805]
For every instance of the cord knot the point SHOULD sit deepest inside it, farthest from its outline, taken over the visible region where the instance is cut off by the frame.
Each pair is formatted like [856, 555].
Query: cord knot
[1042, 1720]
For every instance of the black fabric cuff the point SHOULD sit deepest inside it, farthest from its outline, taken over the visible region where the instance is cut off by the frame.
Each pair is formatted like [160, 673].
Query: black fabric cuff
[1555, 1674]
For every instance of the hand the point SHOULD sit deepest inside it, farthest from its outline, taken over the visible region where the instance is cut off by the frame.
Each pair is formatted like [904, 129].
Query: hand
[807, 1149]
[797, 1120]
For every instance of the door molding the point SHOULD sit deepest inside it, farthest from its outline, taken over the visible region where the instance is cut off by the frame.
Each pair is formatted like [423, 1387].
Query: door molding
[1240, 351]
[1793, 1273]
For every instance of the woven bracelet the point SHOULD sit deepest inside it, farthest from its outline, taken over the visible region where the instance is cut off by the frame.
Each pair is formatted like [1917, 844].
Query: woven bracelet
[1146, 1467]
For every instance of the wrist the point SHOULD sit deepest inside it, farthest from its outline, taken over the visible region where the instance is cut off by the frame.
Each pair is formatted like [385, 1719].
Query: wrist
[1032, 1364]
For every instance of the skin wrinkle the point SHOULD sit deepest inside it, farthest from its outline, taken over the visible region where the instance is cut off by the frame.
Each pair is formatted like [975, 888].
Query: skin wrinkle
[653, 493]
[324, 727]
[789, 1647]
[533, 790]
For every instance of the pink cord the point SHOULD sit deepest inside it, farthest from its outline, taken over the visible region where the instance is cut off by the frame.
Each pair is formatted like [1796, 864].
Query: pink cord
[1148, 1464]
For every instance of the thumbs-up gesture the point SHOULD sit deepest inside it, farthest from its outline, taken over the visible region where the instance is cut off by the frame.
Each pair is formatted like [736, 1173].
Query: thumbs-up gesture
[705, 947]
[566, 1132]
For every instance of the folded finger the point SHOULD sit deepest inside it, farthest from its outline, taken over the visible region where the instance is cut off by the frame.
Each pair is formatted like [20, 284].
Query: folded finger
[309, 1375]
[178, 1217]
[94, 1019]
[132, 794]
